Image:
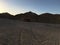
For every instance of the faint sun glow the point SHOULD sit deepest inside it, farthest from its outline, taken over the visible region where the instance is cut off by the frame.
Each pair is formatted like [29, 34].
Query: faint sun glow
[2, 6]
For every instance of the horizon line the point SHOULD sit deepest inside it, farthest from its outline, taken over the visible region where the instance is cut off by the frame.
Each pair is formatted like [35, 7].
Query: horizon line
[29, 11]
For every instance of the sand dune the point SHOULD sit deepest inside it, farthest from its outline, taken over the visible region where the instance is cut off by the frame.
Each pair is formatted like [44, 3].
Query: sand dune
[13, 32]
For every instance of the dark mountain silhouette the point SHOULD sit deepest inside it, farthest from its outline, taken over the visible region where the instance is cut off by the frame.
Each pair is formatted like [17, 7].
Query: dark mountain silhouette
[33, 17]
[28, 16]
[6, 15]
[46, 18]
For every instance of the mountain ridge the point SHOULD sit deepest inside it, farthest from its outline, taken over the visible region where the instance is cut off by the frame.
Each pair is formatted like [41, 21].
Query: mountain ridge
[33, 17]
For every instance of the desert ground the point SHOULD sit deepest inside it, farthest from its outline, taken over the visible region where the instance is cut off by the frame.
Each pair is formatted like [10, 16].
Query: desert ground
[14, 32]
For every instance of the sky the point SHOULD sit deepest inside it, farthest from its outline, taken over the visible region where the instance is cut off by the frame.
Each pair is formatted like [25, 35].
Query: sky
[37, 6]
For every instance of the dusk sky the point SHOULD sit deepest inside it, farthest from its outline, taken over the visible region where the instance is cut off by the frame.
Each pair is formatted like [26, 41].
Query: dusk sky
[37, 6]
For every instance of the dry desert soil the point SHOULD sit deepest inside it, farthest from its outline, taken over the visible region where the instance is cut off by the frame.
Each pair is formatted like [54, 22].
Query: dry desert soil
[14, 32]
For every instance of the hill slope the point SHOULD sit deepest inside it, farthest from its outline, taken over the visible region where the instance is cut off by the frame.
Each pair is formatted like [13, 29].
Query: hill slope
[33, 17]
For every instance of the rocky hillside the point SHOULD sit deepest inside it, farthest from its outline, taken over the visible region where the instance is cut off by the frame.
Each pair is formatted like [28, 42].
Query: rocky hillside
[33, 17]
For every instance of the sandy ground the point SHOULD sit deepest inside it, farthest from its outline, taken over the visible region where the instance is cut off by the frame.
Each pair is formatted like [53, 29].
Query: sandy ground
[14, 32]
